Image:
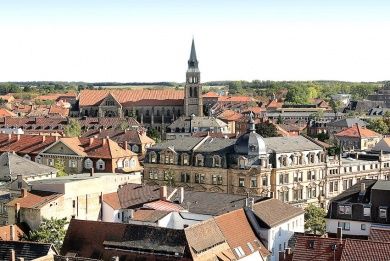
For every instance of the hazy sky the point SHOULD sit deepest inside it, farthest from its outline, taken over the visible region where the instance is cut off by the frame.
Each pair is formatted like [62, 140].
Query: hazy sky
[145, 40]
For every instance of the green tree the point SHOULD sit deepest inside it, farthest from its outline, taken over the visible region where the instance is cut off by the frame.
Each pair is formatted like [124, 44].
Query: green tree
[49, 231]
[315, 220]
[169, 178]
[267, 130]
[73, 129]
[59, 165]
[154, 134]
[235, 87]
[279, 120]
[378, 125]
[297, 95]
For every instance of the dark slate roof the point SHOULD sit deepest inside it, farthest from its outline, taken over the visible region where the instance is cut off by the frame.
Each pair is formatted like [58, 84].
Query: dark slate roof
[347, 122]
[211, 203]
[89, 239]
[290, 144]
[182, 144]
[26, 250]
[381, 185]
[216, 144]
[12, 165]
[197, 121]
[352, 193]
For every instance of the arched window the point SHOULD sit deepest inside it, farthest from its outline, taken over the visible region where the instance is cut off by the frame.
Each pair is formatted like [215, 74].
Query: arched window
[88, 164]
[195, 92]
[126, 163]
[100, 165]
[27, 157]
[158, 112]
[38, 159]
[242, 162]
[153, 157]
[199, 160]
[217, 161]
[190, 91]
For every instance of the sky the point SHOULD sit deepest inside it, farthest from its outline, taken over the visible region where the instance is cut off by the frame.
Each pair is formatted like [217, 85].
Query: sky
[149, 40]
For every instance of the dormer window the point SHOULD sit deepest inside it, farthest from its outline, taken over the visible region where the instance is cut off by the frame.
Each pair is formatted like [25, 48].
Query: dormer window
[100, 165]
[367, 211]
[252, 148]
[199, 160]
[242, 163]
[217, 161]
[185, 159]
[345, 210]
[110, 103]
[153, 157]
[382, 212]
[88, 164]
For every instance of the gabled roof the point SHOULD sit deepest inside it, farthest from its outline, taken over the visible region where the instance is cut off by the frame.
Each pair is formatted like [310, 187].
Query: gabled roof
[24, 143]
[134, 97]
[27, 250]
[12, 165]
[236, 99]
[210, 95]
[6, 113]
[234, 221]
[230, 115]
[357, 250]
[273, 212]
[383, 144]
[163, 205]
[112, 199]
[149, 215]
[290, 144]
[35, 199]
[347, 123]
[357, 131]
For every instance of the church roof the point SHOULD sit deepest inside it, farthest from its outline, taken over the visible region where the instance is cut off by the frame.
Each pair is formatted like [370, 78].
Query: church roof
[134, 97]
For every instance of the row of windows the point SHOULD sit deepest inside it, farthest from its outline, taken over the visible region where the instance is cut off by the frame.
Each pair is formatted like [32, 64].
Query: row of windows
[298, 176]
[299, 159]
[88, 163]
[170, 158]
[298, 194]
[347, 210]
[253, 182]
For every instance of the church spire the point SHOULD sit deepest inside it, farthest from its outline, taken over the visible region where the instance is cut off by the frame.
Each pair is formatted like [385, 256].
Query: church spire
[193, 61]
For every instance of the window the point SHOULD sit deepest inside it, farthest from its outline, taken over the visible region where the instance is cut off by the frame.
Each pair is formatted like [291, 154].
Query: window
[253, 183]
[242, 162]
[74, 203]
[72, 164]
[250, 247]
[344, 225]
[311, 175]
[345, 210]
[382, 212]
[219, 180]
[283, 196]
[135, 148]
[363, 227]
[185, 159]
[280, 231]
[217, 161]
[264, 181]
[367, 211]
[185, 177]
[200, 178]
[241, 182]
[153, 157]
[199, 160]
[38, 159]
[214, 179]
[153, 174]
[239, 252]
[100, 165]
[297, 194]
[50, 162]
[88, 164]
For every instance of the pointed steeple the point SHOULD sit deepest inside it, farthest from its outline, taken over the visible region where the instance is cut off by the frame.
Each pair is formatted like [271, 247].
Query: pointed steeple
[193, 61]
[251, 123]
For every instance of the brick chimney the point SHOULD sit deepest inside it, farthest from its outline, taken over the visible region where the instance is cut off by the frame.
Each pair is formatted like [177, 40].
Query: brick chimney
[23, 193]
[163, 192]
[43, 138]
[9, 137]
[18, 137]
[91, 141]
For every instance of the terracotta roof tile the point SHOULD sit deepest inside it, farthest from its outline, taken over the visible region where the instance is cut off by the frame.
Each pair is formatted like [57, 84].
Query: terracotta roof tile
[163, 205]
[379, 234]
[25, 144]
[230, 115]
[236, 99]
[357, 131]
[35, 199]
[149, 215]
[112, 200]
[234, 221]
[316, 248]
[5, 232]
[133, 97]
[6, 113]
[210, 95]
[357, 250]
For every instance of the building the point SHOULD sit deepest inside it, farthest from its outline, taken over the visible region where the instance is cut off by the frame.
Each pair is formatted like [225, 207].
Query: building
[382, 94]
[29, 251]
[76, 196]
[153, 108]
[358, 208]
[357, 137]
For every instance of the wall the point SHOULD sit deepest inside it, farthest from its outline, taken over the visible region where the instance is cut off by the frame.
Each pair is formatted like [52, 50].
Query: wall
[355, 227]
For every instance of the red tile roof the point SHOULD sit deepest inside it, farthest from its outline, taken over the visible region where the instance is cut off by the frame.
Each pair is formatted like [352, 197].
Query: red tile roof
[112, 200]
[379, 234]
[230, 115]
[254, 109]
[35, 199]
[133, 97]
[5, 232]
[274, 104]
[316, 248]
[56, 96]
[357, 131]
[357, 250]
[163, 205]
[25, 144]
[236, 99]
[210, 95]
[6, 113]
[232, 222]
[149, 215]
[59, 110]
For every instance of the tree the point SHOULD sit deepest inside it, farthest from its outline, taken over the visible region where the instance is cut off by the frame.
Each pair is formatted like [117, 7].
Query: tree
[267, 130]
[378, 125]
[59, 165]
[154, 134]
[235, 87]
[315, 219]
[169, 178]
[50, 231]
[297, 95]
[73, 129]
[279, 120]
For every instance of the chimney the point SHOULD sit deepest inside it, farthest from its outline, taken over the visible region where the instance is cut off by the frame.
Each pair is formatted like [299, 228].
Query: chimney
[125, 145]
[12, 255]
[362, 187]
[163, 192]
[105, 140]
[91, 141]
[91, 172]
[288, 251]
[181, 195]
[18, 137]
[340, 233]
[9, 137]
[23, 193]
[282, 256]
[56, 138]
[43, 138]
[12, 232]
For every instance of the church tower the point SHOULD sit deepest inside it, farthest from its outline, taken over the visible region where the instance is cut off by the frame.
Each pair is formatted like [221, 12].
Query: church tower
[193, 102]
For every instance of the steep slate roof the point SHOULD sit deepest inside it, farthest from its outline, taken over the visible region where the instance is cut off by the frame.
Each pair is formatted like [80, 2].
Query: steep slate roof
[235, 221]
[353, 192]
[184, 144]
[317, 248]
[290, 144]
[273, 212]
[12, 165]
[215, 144]
[379, 233]
[357, 131]
[211, 203]
[134, 97]
[35, 199]
[90, 239]
[199, 122]
[27, 250]
[357, 250]
[347, 122]
[383, 144]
